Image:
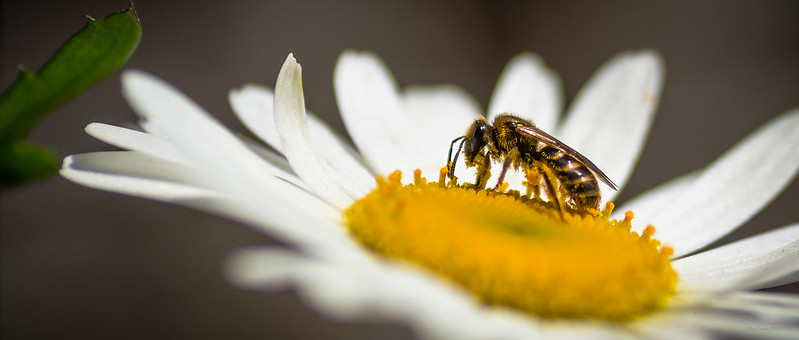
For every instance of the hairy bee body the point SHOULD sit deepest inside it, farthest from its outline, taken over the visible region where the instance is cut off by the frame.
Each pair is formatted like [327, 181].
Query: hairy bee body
[567, 176]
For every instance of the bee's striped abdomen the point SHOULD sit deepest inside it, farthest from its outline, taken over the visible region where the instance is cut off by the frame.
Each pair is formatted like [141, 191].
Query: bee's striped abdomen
[579, 183]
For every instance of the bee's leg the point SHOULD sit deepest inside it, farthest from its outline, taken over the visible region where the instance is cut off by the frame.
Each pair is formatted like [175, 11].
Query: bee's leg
[552, 192]
[452, 161]
[505, 166]
[483, 172]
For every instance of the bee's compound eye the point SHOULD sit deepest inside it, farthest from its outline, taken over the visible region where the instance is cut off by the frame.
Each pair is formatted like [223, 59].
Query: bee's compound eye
[479, 132]
[477, 142]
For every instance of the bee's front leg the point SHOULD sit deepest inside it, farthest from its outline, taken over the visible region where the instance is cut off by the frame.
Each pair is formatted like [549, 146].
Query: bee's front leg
[505, 166]
[483, 172]
[551, 188]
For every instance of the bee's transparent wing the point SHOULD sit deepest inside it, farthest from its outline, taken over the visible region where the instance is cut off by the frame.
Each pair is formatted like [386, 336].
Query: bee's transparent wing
[543, 137]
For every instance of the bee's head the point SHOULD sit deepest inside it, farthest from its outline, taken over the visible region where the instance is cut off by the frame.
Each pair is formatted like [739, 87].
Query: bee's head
[476, 138]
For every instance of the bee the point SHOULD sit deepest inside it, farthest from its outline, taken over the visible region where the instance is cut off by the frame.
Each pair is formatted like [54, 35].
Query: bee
[567, 176]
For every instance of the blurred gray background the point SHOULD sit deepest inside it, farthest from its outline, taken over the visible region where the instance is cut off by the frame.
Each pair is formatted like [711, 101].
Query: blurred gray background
[81, 263]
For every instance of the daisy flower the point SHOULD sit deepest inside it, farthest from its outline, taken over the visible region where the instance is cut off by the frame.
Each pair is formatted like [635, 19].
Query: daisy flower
[372, 238]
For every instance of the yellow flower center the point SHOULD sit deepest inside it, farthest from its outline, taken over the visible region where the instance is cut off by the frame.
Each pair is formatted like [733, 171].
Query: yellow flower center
[517, 251]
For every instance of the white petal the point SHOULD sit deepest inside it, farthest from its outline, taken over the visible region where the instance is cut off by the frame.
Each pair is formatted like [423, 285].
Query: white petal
[291, 121]
[155, 146]
[265, 268]
[440, 113]
[738, 315]
[650, 202]
[281, 169]
[529, 89]
[253, 104]
[133, 140]
[567, 330]
[779, 281]
[378, 291]
[745, 264]
[370, 106]
[226, 164]
[340, 292]
[133, 173]
[611, 116]
[767, 306]
[733, 188]
[136, 174]
[352, 172]
[274, 216]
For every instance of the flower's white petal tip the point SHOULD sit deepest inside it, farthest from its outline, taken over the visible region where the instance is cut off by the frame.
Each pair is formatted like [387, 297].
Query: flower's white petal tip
[151, 97]
[610, 117]
[94, 129]
[370, 103]
[70, 172]
[353, 67]
[710, 200]
[653, 60]
[131, 173]
[290, 60]
[792, 117]
[529, 88]
[649, 55]
[236, 93]
[291, 121]
[644, 56]
[647, 62]
[253, 104]
[131, 73]
[248, 89]
[66, 163]
[363, 65]
[355, 55]
[759, 262]
[90, 126]
[132, 79]
[290, 76]
[249, 268]
[526, 60]
[104, 132]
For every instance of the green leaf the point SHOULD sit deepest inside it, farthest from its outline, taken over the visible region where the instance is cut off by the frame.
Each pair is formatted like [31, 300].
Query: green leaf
[90, 55]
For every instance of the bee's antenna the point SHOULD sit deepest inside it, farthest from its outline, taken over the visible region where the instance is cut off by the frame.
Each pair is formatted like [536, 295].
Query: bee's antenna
[451, 165]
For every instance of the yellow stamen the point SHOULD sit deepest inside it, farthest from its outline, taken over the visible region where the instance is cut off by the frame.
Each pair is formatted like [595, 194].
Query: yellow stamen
[517, 251]
[418, 180]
